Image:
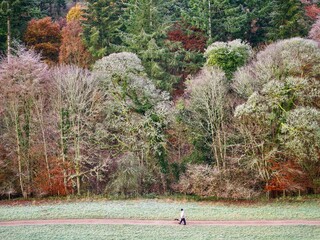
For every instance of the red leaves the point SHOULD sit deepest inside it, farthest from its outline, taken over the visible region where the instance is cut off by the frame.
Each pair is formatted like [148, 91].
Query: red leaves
[193, 39]
[312, 11]
[287, 176]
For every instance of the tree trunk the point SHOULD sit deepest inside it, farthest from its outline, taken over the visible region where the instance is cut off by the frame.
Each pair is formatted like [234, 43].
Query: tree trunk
[65, 182]
[26, 146]
[19, 155]
[209, 20]
[40, 115]
[78, 184]
[8, 38]
[150, 16]
[78, 153]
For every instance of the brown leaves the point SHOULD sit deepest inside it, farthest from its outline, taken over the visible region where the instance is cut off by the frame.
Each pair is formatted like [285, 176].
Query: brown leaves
[44, 36]
[73, 50]
[287, 176]
[193, 39]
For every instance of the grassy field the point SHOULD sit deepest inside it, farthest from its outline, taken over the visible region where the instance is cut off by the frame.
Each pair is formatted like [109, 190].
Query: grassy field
[162, 209]
[126, 232]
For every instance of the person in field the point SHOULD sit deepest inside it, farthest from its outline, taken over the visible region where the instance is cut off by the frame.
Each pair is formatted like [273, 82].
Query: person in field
[182, 217]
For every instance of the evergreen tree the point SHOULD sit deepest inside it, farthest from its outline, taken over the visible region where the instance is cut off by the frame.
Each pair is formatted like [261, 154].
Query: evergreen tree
[257, 20]
[146, 26]
[101, 27]
[176, 8]
[14, 15]
[52, 8]
[288, 19]
[221, 19]
[225, 20]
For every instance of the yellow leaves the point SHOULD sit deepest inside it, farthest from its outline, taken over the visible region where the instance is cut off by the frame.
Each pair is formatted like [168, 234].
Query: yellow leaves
[76, 13]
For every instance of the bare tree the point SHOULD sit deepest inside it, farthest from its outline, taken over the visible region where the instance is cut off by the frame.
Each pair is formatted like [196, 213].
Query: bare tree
[20, 78]
[77, 104]
[208, 106]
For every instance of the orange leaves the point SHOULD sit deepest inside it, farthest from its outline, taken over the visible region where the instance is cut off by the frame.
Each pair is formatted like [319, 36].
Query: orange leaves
[65, 46]
[73, 50]
[52, 182]
[44, 36]
[287, 176]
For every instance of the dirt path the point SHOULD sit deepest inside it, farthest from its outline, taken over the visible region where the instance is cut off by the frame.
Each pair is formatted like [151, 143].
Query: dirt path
[160, 222]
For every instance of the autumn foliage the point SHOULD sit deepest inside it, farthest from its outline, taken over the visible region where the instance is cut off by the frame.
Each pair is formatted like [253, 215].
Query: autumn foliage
[312, 11]
[52, 183]
[192, 38]
[44, 36]
[315, 31]
[73, 50]
[287, 176]
[75, 13]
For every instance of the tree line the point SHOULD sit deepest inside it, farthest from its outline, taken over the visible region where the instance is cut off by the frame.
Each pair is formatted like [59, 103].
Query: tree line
[211, 98]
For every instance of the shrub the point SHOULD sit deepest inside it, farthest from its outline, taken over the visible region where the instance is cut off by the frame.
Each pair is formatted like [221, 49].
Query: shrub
[205, 181]
[229, 56]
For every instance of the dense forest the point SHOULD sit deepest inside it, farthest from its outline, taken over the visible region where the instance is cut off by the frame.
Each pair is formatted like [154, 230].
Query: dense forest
[214, 98]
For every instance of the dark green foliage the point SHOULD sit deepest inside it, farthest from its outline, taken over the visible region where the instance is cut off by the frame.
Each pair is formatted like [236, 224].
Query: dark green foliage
[146, 24]
[288, 19]
[252, 20]
[228, 56]
[14, 15]
[221, 20]
[102, 25]
[52, 8]
[257, 21]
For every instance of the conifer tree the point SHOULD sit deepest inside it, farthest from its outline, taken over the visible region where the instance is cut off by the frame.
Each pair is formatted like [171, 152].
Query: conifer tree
[257, 20]
[288, 19]
[101, 26]
[52, 8]
[225, 20]
[14, 15]
[146, 26]
[221, 19]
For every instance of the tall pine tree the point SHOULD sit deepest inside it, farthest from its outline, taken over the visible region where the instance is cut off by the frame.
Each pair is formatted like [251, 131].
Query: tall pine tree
[52, 8]
[146, 26]
[220, 19]
[14, 15]
[224, 20]
[288, 19]
[101, 27]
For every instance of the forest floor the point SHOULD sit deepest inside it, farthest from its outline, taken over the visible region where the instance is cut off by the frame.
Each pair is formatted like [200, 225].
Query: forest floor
[159, 222]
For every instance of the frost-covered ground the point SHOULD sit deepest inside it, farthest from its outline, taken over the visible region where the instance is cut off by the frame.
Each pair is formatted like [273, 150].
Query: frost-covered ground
[162, 209]
[115, 232]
